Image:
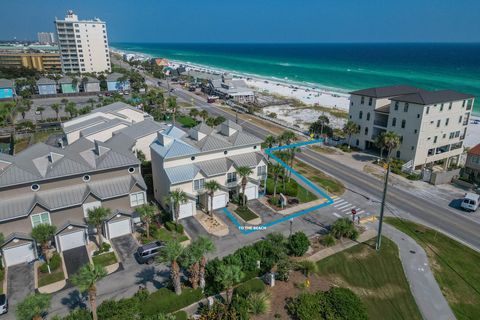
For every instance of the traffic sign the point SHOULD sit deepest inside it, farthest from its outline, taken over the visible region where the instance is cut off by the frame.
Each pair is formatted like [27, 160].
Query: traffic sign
[354, 212]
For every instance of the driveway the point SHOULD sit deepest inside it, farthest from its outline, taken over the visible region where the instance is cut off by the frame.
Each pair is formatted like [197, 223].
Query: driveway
[20, 283]
[75, 259]
[194, 228]
[125, 246]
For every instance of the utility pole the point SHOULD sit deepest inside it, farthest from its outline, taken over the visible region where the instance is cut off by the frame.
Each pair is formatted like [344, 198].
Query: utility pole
[382, 209]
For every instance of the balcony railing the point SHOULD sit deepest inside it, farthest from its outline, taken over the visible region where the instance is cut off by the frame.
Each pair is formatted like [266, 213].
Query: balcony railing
[379, 123]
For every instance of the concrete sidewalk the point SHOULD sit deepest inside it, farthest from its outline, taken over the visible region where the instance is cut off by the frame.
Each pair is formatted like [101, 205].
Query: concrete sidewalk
[424, 287]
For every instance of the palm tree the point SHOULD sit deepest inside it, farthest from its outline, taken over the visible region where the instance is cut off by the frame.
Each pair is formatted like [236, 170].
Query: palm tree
[380, 143]
[211, 186]
[270, 141]
[96, 217]
[194, 113]
[172, 106]
[71, 109]
[204, 246]
[350, 128]
[170, 254]
[27, 103]
[277, 169]
[323, 120]
[43, 234]
[204, 115]
[64, 101]
[176, 198]
[56, 107]
[244, 173]
[288, 137]
[86, 279]
[22, 110]
[307, 267]
[392, 143]
[40, 110]
[228, 275]
[293, 153]
[33, 307]
[147, 212]
[92, 102]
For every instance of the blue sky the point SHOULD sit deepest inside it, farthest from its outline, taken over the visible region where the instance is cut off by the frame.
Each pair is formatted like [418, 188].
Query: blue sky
[256, 20]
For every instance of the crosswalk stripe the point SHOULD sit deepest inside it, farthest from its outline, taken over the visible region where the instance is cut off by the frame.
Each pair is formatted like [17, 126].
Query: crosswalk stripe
[343, 205]
[347, 210]
[334, 197]
[340, 202]
[337, 215]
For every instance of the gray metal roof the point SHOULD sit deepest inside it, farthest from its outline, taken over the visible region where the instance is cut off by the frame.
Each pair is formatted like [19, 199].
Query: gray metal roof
[424, 97]
[68, 223]
[46, 81]
[65, 80]
[116, 106]
[215, 167]
[103, 126]
[114, 76]
[17, 235]
[213, 140]
[181, 174]
[85, 124]
[247, 159]
[42, 162]
[142, 129]
[91, 80]
[71, 196]
[6, 83]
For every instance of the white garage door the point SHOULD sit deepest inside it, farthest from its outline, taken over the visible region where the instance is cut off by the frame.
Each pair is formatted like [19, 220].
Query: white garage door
[21, 254]
[119, 228]
[72, 240]
[219, 201]
[186, 210]
[251, 192]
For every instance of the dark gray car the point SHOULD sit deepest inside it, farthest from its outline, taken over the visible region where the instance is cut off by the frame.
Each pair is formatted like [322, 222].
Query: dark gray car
[147, 253]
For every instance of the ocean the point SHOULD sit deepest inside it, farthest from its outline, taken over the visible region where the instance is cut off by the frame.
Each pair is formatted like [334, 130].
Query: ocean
[338, 67]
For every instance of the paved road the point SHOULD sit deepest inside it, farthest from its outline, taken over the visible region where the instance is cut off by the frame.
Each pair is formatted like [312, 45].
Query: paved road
[424, 287]
[398, 200]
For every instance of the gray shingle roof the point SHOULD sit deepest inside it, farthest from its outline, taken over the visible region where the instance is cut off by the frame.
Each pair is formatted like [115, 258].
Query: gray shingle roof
[432, 97]
[65, 197]
[6, 83]
[42, 162]
[45, 81]
[385, 92]
[17, 235]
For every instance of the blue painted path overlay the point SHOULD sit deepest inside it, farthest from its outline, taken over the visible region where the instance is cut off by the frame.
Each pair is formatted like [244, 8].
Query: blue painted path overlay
[269, 152]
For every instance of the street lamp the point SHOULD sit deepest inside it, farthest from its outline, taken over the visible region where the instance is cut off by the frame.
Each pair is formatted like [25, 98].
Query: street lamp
[291, 226]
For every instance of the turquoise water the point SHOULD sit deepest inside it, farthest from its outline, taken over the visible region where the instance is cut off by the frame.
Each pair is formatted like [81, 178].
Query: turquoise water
[342, 67]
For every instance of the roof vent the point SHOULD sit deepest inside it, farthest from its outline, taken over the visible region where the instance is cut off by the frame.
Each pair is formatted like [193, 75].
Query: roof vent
[164, 139]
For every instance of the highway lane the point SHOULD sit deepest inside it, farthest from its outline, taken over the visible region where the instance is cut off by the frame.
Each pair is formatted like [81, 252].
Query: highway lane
[423, 209]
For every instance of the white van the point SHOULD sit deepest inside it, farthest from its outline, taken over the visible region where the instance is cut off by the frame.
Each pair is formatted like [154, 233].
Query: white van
[470, 202]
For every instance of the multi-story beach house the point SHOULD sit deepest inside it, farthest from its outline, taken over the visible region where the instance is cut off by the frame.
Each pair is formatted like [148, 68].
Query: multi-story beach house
[472, 164]
[188, 160]
[228, 88]
[117, 82]
[46, 86]
[83, 44]
[45, 184]
[432, 124]
[7, 89]
[46, 37]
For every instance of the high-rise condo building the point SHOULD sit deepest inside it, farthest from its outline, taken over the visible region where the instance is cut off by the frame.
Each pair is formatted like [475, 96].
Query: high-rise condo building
[46, 37]
[83, 44]
[431, 124]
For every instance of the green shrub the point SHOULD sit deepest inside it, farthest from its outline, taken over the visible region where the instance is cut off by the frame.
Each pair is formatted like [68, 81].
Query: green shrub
[179, 228]
[328, 240]
[284, 267]
[414, 176]
[274, 201]
[104, 248]
[337, 303]
[344, 228]
[248, 287]
[170, 226]
[298, 244]
[121, 309]
[78, 314]
[181, 315]
[55, 262]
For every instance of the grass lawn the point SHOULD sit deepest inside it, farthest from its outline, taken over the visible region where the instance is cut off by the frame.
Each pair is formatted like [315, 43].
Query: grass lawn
[105, 259]
[166, 301]
[163, 234]
[378, 279]
[292, 189]
[321, 149]
[48, 278]
[328, 183]
[186, 121]
[245, 213]
[2, 277]
[454, 265]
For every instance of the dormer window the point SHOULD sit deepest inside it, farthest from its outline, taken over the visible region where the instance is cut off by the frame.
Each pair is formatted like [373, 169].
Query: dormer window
[225, 152]
[192, 158]
[131, 170]
[254, 147]
[35, 187]
[86, 178]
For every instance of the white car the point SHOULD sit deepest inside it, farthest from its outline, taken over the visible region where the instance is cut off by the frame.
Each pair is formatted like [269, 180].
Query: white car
[470, 202]
[3, 304]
